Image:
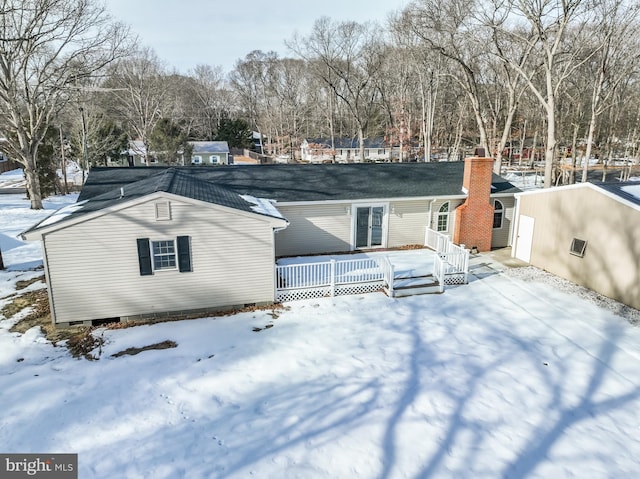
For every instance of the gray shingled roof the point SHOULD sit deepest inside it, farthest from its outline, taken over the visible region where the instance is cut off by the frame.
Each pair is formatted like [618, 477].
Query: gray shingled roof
[287, 183]
[168, 180]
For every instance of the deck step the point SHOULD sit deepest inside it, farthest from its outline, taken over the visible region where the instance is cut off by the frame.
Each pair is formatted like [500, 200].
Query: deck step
[414, 286]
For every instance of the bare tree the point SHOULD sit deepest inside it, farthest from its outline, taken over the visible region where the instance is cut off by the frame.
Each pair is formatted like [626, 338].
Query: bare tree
[347, 57]
[617, 55]
[209, 102]
[555, 30]
[139, 86]
[451, 29]
[48, 48]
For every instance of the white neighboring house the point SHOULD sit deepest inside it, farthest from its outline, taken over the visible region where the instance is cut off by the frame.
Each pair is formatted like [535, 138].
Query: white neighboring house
[206, 153]
[347, 150]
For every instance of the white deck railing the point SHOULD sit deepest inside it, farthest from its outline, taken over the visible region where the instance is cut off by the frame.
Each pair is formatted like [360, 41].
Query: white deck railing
[327, 278]
[439, 267]
[455, 258]
[388, 273]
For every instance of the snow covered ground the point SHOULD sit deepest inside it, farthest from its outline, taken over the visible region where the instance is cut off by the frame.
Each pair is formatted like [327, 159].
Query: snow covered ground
[507, 376]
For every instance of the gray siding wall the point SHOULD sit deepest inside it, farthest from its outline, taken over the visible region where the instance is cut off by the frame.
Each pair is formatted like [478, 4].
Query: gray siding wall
[501, 237]
[314, 229]
[407, 222]
[610, 264]
[94, 272]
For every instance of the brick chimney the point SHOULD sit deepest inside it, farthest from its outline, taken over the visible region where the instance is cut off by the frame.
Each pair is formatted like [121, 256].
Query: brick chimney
[474, 218]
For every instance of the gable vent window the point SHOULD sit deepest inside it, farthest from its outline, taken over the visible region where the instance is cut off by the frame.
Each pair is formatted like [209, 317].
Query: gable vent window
[163, 211]
[578, 247]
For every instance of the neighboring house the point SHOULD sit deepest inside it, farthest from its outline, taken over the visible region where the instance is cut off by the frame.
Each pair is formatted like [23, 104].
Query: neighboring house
[328, 209]
[586, 233]
[136, 154]
[6, 164]
[204, 153]
[207, 153]
[346, 150]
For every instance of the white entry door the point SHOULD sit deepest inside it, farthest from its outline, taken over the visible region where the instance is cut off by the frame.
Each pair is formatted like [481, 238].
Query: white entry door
[524, 240]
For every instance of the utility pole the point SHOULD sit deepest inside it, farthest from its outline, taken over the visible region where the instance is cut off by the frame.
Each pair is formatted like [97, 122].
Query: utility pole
[84, 145]
[64, 162]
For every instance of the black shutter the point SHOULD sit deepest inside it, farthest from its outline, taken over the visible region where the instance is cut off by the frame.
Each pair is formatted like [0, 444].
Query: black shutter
[144, 256]
[184, 254]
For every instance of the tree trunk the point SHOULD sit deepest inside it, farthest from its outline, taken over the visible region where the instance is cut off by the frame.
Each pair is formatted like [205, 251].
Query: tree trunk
[574, 142]
[2, 267]
[33, 184]
[550, 150]
[361, 143]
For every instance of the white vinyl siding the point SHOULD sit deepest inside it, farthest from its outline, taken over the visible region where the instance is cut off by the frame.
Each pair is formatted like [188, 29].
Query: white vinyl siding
[407, 222]
[315, 229]
[232, 262]
[501, 237]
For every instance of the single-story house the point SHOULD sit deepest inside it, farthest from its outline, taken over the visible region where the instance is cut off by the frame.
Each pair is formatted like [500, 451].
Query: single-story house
[209, 153]
[136, 154]
[203, 153]
[131, 227]
[168, 242]
[586, 233]
[345, 150]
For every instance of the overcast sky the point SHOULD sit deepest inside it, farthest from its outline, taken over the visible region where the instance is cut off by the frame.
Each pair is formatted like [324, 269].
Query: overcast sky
[185, 33]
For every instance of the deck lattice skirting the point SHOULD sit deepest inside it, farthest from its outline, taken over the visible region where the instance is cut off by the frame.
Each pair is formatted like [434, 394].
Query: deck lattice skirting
[357, 276]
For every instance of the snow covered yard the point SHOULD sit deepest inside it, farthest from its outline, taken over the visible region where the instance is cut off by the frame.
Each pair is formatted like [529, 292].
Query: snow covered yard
[503, 377]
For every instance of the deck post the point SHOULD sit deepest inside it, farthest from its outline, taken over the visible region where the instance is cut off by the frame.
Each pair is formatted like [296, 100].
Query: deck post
[333, 277]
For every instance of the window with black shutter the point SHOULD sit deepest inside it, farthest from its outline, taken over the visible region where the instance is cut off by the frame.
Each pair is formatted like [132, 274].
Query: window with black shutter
[144, 256]
[184, 254]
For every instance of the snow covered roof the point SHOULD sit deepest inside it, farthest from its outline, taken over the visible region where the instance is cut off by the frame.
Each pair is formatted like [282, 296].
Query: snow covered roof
[200, 147]
[629, 190]
[347, 143]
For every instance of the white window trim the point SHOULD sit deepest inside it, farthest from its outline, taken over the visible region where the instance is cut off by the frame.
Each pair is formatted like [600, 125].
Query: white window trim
[446, 215]
[575, 251]
[502, 211]
[154, 255]
[196, 160]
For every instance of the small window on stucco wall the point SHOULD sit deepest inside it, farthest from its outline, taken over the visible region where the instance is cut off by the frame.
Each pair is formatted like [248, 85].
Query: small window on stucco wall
[578, 247]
